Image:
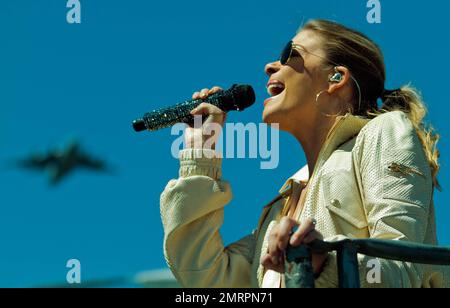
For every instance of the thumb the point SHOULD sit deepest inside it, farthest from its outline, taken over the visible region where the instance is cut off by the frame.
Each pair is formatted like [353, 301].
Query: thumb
[200, 109]
[194, 111]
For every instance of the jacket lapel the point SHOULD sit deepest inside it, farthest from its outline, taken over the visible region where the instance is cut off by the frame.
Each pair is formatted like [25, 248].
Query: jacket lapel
[345, 129]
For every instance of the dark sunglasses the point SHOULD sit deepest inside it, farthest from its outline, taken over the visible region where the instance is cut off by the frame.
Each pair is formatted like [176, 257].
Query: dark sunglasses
[287, 52]
[291, 48]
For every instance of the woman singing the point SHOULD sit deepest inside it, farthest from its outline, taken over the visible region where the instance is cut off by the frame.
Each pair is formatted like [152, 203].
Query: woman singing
[370, 172]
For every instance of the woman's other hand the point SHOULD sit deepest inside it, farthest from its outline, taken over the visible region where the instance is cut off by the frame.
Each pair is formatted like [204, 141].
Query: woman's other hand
[281, 235]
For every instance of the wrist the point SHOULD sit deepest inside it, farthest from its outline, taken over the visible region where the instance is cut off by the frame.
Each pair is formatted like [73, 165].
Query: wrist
[205, 162]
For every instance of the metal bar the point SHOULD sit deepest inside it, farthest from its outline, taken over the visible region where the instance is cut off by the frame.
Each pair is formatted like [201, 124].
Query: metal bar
[348, 267]
[404, 251]
[391, 249]
[299, 272]
[347, 251]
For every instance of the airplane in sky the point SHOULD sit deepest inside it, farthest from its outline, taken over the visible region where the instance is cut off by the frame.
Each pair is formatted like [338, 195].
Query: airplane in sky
[60, 163]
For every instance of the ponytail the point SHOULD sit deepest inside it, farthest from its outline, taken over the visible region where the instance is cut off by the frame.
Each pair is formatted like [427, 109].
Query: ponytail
[408, 100]
[365, 60]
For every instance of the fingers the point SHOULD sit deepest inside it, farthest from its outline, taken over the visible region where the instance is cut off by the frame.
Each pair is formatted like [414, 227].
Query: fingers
[284, 232]
[200, 94]
[312, 236]
[274, 258]
[207, 109]
[204, 93]
[266, 261]
[305, 228]
[272, 249]
[277, 243]
[279, 238]
[218, 116]
[281, 235]
[215, 89]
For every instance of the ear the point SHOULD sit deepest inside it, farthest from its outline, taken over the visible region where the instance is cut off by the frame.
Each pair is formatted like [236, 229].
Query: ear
[338, 79]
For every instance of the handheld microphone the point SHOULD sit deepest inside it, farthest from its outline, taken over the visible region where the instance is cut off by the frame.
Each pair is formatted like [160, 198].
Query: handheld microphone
[238, 97]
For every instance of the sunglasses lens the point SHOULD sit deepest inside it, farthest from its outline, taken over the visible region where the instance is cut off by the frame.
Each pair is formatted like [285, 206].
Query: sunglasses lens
[286, 53]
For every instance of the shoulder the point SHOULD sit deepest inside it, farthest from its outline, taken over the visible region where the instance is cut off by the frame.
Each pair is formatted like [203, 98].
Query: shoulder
[394, 120]
[390, 130]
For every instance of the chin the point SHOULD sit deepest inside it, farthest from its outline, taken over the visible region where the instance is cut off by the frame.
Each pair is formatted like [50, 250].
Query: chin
[274, 111]
[271, 118]
[267, 116]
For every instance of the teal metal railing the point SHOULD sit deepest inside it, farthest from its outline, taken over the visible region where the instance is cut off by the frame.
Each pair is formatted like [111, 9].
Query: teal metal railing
[299, 271]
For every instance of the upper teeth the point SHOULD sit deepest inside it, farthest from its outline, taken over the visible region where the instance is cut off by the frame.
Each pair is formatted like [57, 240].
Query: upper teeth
[273, 86]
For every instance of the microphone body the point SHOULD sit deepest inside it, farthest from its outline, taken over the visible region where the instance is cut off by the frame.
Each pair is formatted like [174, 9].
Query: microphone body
[238, 97]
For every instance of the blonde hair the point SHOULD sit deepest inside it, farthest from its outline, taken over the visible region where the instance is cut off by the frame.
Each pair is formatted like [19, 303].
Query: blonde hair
[364, 58]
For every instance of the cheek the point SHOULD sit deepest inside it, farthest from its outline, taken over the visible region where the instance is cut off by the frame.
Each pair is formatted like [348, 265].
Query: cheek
[295, 101]
[298, 92]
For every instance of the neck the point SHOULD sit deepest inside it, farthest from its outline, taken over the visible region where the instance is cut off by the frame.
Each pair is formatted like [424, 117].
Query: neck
[312, 137]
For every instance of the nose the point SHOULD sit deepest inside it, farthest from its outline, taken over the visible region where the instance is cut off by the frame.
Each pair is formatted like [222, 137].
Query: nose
[272, 68]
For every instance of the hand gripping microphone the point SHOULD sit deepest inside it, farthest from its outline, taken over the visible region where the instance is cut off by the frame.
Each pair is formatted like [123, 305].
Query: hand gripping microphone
[238, 97]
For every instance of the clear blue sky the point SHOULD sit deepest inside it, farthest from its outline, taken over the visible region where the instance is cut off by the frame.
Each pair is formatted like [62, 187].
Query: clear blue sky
[89, 81]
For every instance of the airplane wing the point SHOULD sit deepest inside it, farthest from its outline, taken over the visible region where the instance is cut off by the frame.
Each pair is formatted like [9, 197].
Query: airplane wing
[91, 163]
[38, 162]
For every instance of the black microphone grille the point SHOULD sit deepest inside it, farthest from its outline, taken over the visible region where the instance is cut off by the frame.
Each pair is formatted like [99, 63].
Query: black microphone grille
[244, 95]
[139, 125]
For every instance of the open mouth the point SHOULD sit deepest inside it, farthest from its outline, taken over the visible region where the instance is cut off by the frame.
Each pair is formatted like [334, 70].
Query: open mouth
[275, 87]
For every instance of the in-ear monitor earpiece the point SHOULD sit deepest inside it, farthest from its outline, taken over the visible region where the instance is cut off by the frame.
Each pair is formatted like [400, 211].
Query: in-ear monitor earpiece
[336, 78]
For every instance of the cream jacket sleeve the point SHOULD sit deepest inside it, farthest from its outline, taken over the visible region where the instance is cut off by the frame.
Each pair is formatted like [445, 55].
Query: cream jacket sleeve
[397, 205]
[192, 211]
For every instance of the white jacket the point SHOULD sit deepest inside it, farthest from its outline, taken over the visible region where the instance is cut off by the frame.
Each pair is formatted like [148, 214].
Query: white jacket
[353, 192]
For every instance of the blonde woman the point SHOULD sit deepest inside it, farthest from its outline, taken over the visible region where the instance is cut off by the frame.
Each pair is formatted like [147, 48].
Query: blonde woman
[371, 172]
